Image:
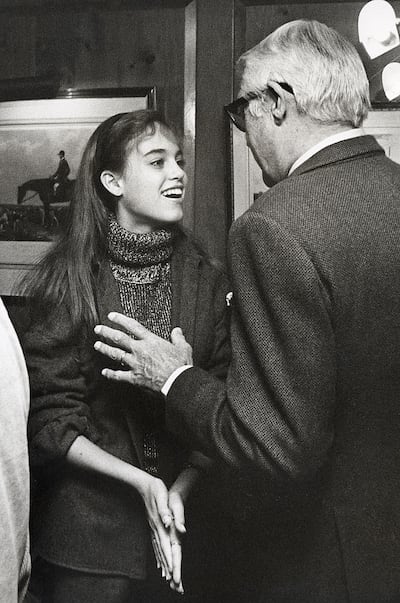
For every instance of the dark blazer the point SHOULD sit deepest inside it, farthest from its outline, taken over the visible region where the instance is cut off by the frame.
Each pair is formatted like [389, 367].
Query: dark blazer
[86, 521]
[310, 410]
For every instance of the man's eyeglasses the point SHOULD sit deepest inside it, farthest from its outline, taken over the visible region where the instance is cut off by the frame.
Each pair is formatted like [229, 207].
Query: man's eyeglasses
[236, 109]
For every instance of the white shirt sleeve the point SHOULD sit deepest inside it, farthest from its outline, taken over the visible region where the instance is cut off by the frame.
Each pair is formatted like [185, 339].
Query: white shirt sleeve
[168, 384]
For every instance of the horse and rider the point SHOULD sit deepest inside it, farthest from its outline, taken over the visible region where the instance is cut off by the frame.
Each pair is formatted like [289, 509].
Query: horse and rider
[57, 188]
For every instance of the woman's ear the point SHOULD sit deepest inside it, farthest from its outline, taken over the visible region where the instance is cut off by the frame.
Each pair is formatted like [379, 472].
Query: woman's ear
[111, 183]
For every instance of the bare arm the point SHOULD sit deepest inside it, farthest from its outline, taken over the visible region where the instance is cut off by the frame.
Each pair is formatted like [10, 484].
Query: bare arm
[184, 484]
[88, 456]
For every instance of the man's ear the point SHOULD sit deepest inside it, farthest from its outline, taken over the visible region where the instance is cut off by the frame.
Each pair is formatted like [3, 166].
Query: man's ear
[111, 183]
[279, 107]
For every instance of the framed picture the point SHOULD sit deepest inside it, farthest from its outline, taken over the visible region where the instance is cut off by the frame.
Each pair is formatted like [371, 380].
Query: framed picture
[384, 124]
[384, 78]
[246, 177]
[379, 48]
[41, 143]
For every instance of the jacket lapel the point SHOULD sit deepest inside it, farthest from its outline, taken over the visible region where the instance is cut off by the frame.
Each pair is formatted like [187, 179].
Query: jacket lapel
[109, 299]
[185, 276]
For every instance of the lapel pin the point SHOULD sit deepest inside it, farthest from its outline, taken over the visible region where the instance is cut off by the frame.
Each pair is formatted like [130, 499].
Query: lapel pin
[228, 298]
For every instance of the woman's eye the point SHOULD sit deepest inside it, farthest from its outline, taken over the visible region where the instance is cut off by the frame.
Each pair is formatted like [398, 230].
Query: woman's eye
[158, 162]
[181, 162]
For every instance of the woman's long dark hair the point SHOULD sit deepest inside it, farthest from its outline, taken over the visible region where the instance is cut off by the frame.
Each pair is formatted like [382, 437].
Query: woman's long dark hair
[66, 274]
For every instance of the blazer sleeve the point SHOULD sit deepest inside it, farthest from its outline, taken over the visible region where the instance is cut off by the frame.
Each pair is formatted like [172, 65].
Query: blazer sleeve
[59, 412]
[274, 414]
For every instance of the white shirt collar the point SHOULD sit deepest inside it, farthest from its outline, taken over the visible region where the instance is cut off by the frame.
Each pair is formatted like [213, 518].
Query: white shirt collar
[326, 142]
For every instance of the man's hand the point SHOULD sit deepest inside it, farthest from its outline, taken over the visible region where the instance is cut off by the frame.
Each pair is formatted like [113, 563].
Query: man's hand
[148, 359]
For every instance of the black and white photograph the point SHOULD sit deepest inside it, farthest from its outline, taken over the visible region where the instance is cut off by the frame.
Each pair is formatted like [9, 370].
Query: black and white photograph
[199, 301]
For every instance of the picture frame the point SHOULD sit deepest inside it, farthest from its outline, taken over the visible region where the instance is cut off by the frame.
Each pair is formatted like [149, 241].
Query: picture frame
[384, 92]
[378, 44]
[33, 133]
[246, 177]
[384, 124]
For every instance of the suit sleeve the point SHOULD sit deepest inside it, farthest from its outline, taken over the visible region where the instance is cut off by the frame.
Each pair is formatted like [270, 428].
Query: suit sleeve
[59, 412]
[274, 414]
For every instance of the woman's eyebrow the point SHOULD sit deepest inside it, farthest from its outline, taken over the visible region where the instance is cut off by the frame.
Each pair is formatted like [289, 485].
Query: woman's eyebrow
[154, 151]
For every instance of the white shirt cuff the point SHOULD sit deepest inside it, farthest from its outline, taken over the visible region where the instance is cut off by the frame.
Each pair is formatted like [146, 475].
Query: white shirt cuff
[168, 384]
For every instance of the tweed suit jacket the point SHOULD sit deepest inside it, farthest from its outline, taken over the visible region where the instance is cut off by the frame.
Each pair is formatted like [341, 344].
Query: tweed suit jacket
[310, 410]
[87, 521]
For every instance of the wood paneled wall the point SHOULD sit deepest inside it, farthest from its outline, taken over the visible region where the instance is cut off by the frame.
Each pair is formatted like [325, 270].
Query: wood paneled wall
[343, 16]
[186, 48]
[97, 46]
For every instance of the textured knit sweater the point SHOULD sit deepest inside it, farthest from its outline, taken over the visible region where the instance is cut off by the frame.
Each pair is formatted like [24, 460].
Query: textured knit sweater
[140, 263]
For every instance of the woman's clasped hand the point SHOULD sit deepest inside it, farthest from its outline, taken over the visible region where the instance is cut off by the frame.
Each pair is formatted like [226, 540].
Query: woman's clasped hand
[165, 515]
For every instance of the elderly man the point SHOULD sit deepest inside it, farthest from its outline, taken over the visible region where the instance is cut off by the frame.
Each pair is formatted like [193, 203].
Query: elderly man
[310, 409]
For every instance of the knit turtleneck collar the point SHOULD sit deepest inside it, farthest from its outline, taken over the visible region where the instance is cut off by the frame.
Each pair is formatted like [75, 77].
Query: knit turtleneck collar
[138, 249]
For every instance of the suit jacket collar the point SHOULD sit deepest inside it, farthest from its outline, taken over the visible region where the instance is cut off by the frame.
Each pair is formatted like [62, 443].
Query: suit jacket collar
[340, 151]
[108, 299]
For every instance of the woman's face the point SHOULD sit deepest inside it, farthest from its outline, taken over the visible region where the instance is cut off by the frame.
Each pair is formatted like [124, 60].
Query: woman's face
[152, 185]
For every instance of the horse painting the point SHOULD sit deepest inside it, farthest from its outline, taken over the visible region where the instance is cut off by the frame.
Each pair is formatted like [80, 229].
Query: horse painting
[44, 188]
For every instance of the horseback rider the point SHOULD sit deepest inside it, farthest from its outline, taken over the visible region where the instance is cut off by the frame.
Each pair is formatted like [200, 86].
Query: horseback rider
[60, 177]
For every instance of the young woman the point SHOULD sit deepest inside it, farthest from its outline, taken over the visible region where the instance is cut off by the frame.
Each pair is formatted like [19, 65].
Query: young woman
[112, 481]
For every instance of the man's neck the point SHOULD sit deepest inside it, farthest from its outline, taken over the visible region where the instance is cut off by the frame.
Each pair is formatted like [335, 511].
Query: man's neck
[314, 135]
[322, 138]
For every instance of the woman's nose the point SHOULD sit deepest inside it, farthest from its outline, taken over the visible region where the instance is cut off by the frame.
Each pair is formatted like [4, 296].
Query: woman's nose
[176, 171]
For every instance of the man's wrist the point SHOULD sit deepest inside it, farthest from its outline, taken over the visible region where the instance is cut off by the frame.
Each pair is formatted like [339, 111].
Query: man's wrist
[168, 384]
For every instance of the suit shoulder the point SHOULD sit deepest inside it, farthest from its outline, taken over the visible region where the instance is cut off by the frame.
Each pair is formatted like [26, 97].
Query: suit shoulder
[276, 204]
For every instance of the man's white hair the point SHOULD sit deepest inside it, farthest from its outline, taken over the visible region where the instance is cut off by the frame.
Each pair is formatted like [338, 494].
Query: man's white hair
[323, 68]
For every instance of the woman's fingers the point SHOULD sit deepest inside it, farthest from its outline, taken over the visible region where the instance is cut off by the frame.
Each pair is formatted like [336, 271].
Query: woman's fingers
[177, 588]
[176, 549]
[160, 556]
[178, 511]
[163, 509]
[156, 553]
[165, 546]
[177, 528]
[168, 552]
[161, 535]
[160, 519]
